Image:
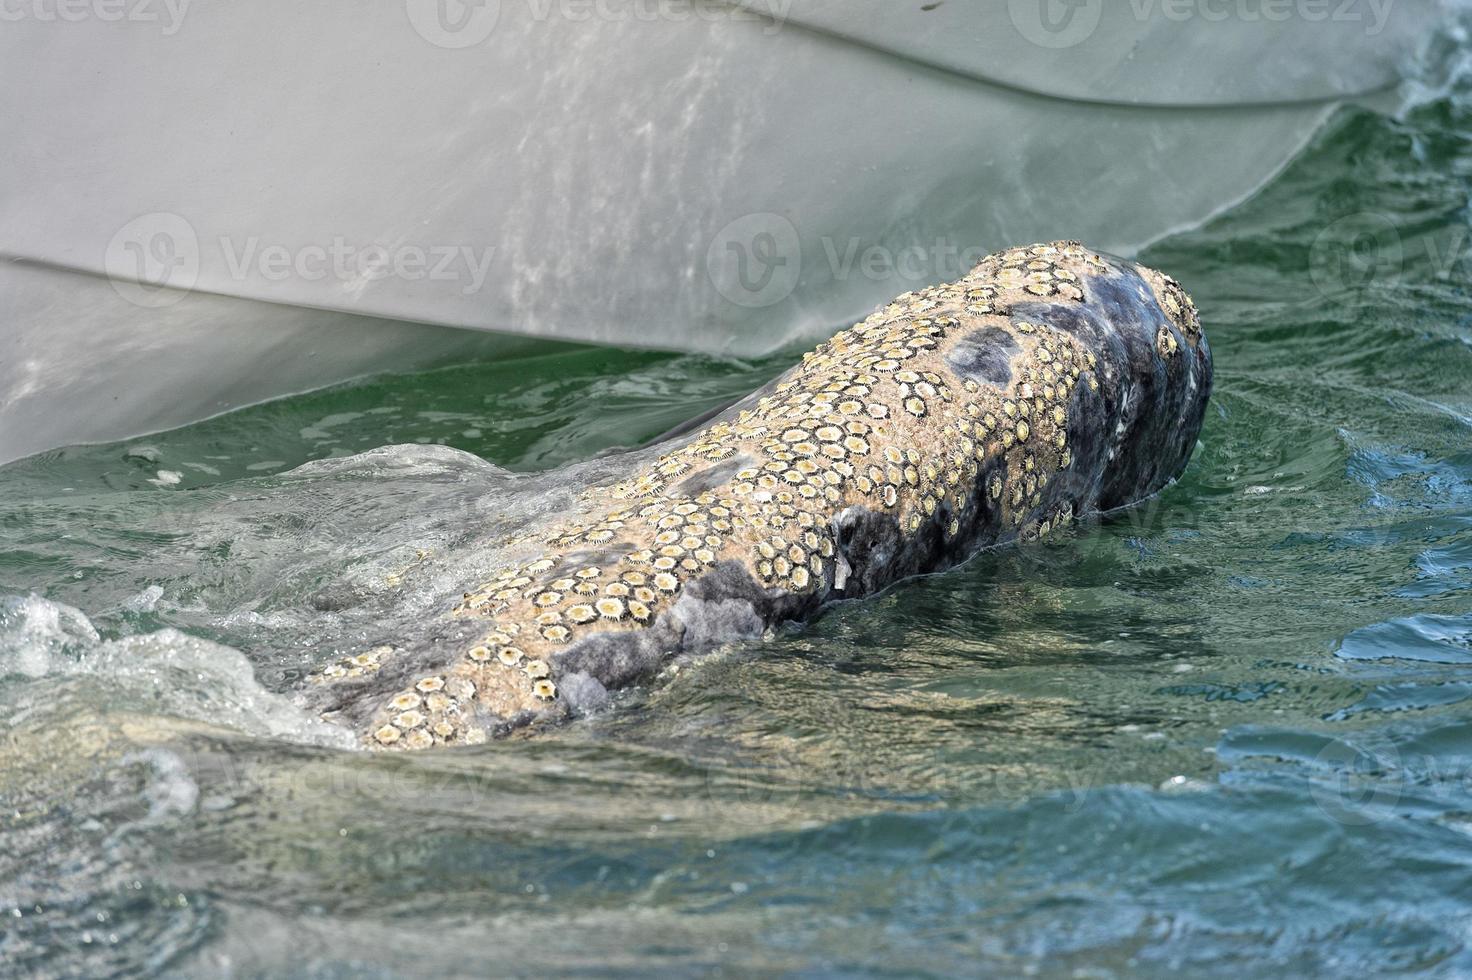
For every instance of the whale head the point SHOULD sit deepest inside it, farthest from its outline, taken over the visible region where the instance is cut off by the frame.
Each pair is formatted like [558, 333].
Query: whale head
[1166, 377]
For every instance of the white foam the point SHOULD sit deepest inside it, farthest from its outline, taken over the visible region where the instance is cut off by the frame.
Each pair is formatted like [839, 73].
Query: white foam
[166, 673]
[36, 635]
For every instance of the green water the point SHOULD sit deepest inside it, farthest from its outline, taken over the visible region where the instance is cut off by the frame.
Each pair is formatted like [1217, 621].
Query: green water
[1228, 733]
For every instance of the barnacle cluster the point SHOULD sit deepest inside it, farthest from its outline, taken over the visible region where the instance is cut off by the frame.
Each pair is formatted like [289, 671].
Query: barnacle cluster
[876, 417]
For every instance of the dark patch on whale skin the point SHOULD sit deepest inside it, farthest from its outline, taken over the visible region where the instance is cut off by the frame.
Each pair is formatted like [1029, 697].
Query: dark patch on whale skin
[1139, 430]
[713, 477]
[984, 355]
[871, 543]
[724, 605]
[344, 702]
[618, 659]
[584, 694]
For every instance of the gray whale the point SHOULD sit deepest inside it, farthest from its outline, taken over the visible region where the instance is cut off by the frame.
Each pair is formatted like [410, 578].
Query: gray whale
[1048, 383]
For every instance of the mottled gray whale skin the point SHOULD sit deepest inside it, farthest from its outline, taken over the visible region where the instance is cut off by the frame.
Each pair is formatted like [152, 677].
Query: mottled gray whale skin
[1049, 383]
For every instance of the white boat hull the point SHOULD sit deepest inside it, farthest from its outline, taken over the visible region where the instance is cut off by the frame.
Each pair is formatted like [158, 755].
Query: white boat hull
[275, 196]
